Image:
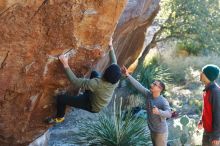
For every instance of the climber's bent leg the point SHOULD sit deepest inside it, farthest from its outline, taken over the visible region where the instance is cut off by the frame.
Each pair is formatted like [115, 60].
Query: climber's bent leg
[81, 101]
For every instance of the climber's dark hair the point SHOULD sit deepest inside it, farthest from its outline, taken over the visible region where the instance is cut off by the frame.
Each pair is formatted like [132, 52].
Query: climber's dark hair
[112, 74]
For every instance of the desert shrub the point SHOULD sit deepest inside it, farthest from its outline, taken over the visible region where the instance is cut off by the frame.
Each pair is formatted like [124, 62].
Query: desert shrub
[134, 101]
[115, 129]
[192, 48]
[150, 71]
[182, 131]
[186, 66]
[197, 104]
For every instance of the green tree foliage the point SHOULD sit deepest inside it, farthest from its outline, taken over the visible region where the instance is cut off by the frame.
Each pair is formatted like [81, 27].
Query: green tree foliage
[193, 23]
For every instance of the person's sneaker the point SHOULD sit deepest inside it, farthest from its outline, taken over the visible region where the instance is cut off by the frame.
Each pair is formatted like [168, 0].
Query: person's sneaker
[54, 120]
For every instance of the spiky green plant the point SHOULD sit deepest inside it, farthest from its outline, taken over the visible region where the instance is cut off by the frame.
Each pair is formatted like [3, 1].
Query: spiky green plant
[115, 130]
[150, 71]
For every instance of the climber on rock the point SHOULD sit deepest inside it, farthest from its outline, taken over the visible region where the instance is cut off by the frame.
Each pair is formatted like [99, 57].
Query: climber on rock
[98, 90]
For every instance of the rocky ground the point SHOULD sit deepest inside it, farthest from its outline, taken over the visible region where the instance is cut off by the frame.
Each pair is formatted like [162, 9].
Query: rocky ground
[65, 134]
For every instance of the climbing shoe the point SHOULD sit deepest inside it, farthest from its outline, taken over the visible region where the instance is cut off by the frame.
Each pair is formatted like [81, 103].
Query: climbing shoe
[54, 120]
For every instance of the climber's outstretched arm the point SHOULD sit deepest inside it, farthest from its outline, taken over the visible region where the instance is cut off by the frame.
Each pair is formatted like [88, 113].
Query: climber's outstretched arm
[112, 56]
[84, 83]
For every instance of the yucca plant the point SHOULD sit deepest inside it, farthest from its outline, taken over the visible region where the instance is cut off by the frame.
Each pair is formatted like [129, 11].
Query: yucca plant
[115, 129]
[132, 101]
[150, 71]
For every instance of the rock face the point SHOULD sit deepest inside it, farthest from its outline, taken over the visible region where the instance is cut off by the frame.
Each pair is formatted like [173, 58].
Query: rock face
[34, 32]
[129, 35]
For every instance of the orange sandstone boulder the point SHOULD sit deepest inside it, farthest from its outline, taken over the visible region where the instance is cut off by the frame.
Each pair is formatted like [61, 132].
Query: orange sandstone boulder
[34, 32]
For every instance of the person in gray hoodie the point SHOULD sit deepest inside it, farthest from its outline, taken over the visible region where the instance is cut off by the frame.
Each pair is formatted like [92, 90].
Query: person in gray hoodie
[158, 108]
